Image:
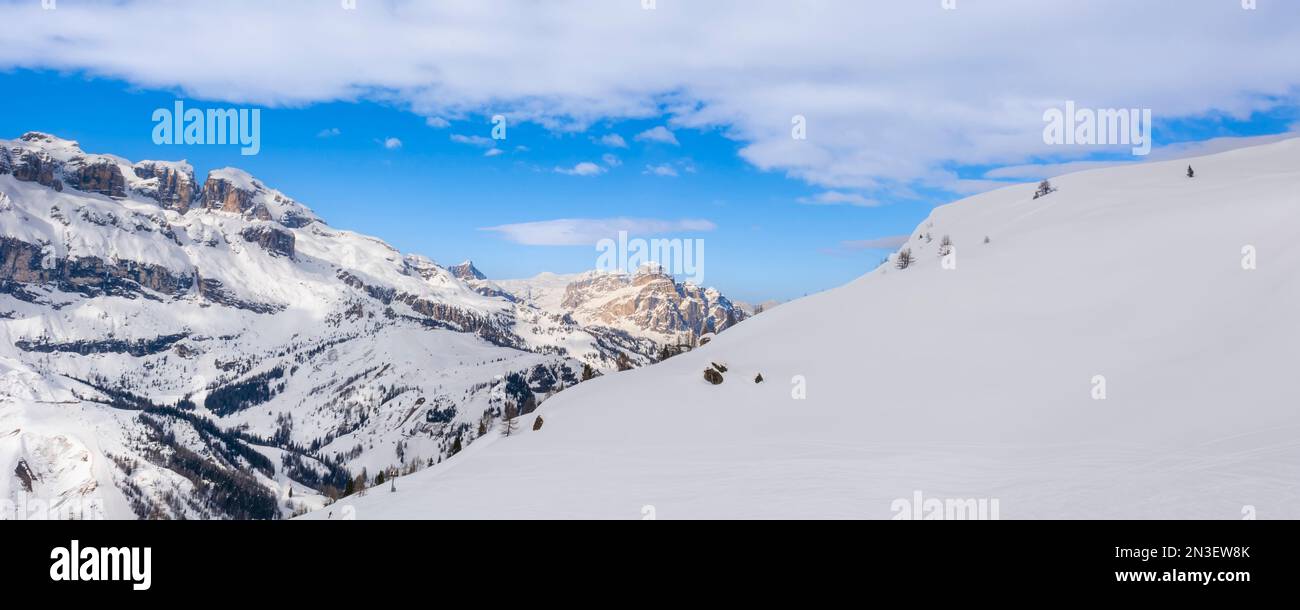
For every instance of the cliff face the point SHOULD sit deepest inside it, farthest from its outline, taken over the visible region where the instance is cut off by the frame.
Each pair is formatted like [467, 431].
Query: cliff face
[172, 185]
[651, 301]
[23, 263]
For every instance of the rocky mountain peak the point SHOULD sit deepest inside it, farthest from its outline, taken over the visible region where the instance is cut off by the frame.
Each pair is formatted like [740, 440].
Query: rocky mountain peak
[236, 191]
[467, 271]
[45, 140]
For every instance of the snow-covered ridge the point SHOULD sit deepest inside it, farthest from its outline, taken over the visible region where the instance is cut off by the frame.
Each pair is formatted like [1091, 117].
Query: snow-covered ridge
[1120, 348]
[153, 323]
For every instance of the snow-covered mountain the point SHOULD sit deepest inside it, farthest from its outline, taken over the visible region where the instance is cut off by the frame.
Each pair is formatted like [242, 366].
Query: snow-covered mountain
[1122, 347]
[640, 312]
[178, 348]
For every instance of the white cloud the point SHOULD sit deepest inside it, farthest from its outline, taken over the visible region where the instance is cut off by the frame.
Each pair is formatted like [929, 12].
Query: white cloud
[839, 198]
[392, 143]
[611, 160]
[329, 133]
[437, 122]
[586, 168]
[892, 92]
[613, 140]
[588, 231]
[479, 141]
[492, 152]
[663, 169]
[658, 134]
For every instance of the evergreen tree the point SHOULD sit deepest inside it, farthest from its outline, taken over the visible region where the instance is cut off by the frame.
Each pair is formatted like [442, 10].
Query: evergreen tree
[588, 373]
[1044, 188]
[1190, 172]
[508, 425]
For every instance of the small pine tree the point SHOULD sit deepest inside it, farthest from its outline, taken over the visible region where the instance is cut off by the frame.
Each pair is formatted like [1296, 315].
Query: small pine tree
[622, 362]
[455, 446]
[1190, 173]
[508, 425]
[986, 239]
[904, 258]
[588, 373]
[1044, 188]
[537, 423]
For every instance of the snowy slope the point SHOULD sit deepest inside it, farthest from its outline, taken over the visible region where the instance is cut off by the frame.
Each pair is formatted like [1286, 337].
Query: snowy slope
[974, 382]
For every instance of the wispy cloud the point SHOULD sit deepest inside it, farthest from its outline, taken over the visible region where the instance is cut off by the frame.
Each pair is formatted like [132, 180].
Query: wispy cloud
[588, 231]
[662, 169]
[657, 134]
[585, 168]
[329, 133]
[611, 160]
[492, 152]
[479, 141]
[839, 198]
[613, 140]
[392, 143]
[437, 122]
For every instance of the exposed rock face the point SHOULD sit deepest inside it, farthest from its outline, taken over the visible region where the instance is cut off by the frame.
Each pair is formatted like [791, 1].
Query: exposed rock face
[440, 315]
[293, 216]
[96, 176]
[54, 162]
[467, 271]
[24, 263]
[25, 475]
[652, 301]
[168, 184]
[38, 167]
[224, 195]
[272, 239]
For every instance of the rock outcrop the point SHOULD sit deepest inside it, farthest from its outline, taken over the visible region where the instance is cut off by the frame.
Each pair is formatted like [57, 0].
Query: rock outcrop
[652, 301]
[224, 194]
[274, 240]
[170, 184]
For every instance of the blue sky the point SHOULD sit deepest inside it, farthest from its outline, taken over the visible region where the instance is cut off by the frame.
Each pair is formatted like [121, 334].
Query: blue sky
[908, 106]
[435, 196]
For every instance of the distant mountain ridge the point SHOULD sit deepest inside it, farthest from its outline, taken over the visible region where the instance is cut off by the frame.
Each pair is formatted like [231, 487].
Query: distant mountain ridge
[168, 338]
